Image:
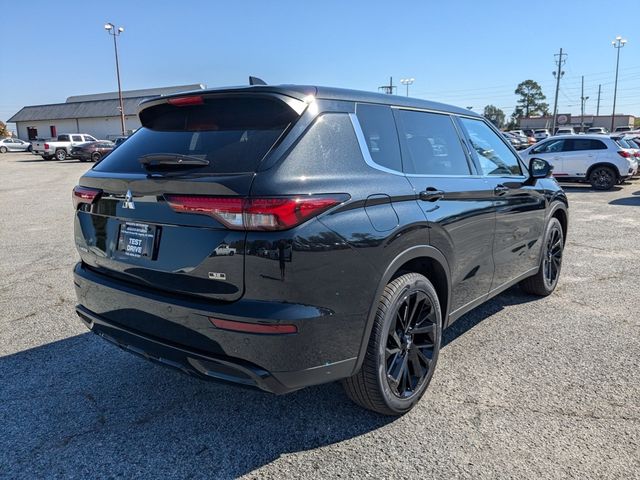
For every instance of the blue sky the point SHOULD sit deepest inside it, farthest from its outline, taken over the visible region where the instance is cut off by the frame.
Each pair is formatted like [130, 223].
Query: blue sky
[468, 53]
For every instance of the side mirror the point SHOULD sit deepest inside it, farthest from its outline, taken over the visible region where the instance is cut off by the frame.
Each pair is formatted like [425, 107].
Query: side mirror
[539, 168]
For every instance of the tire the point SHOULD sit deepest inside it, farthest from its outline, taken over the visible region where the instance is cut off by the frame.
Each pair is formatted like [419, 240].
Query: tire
[61, 154]
[3, 150]
[603, 178]
[390, 352]
[544, 282]
[30, 148]
[96, 156]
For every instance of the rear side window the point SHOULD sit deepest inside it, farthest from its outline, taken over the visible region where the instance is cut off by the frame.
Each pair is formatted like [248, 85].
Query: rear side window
[232, 133]
[380, 134]
[578, 144]
[494, 156]
[63, 138]
[430, 144]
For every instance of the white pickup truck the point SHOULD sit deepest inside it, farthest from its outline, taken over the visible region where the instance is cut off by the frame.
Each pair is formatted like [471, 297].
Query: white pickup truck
[60, 148]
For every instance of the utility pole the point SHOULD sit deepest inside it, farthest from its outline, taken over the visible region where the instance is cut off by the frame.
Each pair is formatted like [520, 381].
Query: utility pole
[389, 89]
[618, 43]
[598, 106]
[560, 61]
[583, 100]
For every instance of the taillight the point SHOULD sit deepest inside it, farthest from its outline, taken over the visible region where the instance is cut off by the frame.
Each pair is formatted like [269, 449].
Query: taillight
[185, 101]
[46, 146]
[272, 213]
[84, 195]
[624, 153]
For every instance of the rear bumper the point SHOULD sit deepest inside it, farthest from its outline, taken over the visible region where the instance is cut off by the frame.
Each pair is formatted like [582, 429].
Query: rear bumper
[177, 333]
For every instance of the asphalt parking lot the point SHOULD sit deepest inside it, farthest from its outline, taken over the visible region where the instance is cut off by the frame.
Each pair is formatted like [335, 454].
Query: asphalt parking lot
[525, 388]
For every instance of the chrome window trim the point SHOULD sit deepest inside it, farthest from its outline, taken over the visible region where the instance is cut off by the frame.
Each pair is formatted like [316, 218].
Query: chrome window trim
[364, 148]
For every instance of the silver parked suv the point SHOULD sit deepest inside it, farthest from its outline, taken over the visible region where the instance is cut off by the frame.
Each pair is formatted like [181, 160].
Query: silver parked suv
[599, 160]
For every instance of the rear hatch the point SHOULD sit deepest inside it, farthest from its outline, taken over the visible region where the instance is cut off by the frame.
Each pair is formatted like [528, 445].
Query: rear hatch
[140, 211]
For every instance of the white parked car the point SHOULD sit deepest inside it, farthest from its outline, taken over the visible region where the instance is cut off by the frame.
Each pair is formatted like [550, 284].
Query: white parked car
[595, 159]
[598, 130]
[541, 133]
[565, 131]
[224, 249]
[60, 148]
[14, 145]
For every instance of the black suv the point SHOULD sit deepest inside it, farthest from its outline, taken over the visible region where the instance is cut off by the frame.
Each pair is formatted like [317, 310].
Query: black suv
[286, 236]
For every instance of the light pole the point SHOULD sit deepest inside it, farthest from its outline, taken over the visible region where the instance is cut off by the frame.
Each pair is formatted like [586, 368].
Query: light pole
[115, 33]
[407, 82]
[618, 43]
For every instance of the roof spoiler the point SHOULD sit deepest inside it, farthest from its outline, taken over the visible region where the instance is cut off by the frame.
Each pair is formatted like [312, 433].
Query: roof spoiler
[256, 81]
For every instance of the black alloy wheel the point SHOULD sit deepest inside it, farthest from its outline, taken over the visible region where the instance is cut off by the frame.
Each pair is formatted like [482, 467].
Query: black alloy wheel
[403, 348]
[602, 178]
[410, 345]
[545, 280]
[552, 261]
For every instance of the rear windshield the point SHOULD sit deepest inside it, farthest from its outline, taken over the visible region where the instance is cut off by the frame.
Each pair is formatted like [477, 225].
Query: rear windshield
[232, 133]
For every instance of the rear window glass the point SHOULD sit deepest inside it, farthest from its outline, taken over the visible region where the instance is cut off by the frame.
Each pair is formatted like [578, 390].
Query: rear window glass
[232, 133]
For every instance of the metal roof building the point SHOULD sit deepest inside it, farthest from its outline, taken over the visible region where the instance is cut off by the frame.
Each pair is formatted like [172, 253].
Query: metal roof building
[97, 115]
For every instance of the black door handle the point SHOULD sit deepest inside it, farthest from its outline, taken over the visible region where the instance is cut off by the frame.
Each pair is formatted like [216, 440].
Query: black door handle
[431, 194]
[500, 189]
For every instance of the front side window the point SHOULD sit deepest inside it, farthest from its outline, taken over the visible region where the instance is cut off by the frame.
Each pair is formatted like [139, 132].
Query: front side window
[495, 157]
[380, 134]
[549, 147]
[430, 144]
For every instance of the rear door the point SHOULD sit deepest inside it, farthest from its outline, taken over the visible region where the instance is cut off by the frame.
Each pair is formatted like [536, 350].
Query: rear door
[456, 200]
[158, 224]
[579, 154]
[520, 205]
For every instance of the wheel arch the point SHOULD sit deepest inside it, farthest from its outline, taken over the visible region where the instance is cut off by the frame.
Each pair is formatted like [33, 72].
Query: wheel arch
[603, 164]
[559, 210]
[423, 259]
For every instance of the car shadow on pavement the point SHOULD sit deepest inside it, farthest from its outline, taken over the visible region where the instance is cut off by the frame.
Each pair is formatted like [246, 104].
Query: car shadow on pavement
[512, 296]
[82, 407]
[629, 201]
[587, 189]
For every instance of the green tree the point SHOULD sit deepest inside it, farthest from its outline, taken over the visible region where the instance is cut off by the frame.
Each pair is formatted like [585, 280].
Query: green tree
[494, 115]
[531, 101]
[4, 131]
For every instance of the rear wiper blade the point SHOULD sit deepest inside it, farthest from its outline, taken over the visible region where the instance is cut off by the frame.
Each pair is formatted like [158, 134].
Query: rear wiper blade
[171, 159]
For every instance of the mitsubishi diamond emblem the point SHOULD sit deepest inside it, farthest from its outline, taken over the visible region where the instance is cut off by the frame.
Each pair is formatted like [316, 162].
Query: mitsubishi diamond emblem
[128, 201]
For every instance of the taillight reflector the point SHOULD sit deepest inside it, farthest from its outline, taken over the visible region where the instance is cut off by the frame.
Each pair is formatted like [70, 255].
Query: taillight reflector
[273, 213]
[84, 195]
[46, 146]
[624, 153]
[273, 329]
[185, 101]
